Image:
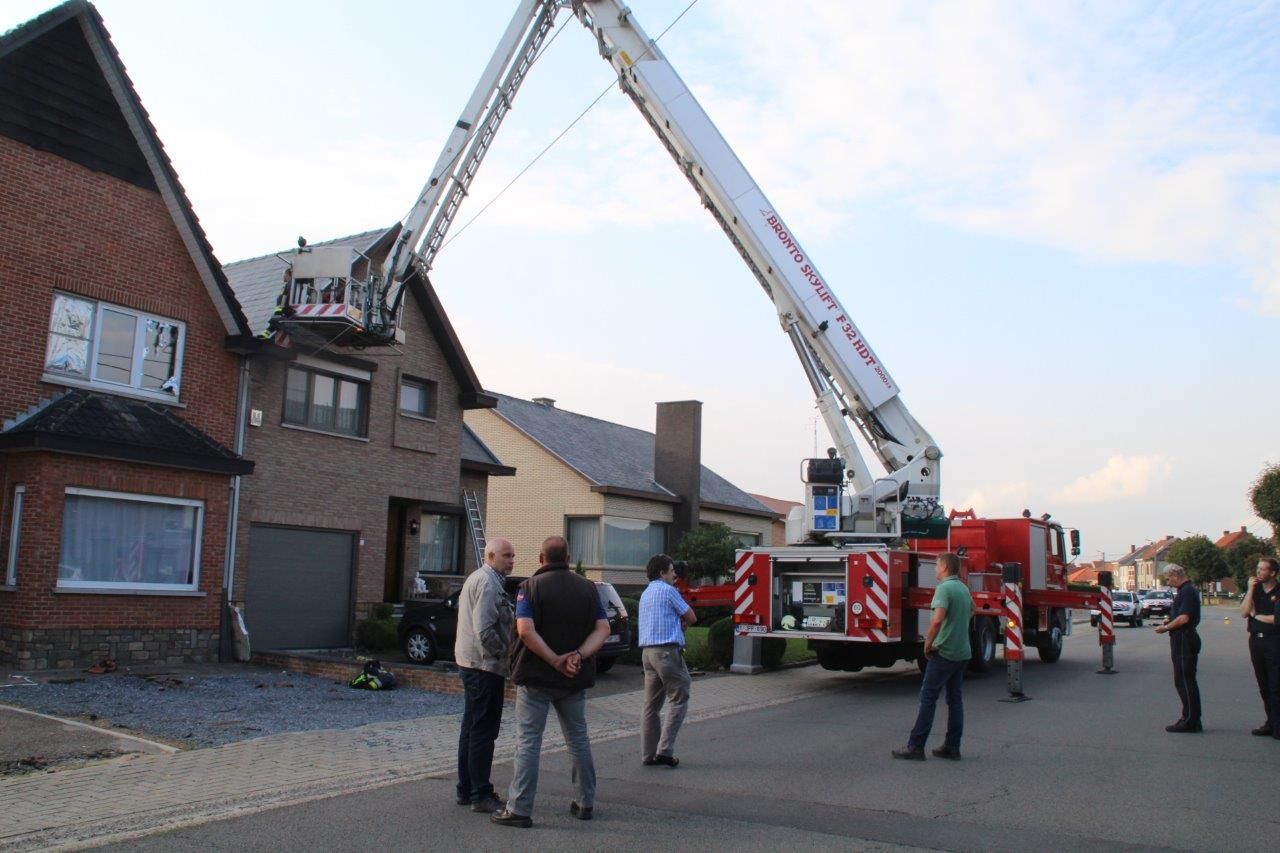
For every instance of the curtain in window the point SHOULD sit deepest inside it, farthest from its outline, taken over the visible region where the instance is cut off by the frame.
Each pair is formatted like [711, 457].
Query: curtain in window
[112, 541]
[631, 542]
[584, 541]
[438, 544]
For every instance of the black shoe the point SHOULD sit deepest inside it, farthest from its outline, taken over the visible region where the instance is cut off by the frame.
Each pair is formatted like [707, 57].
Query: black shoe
[580, 812]
[1262, 731]
[463, 801]
[649, 762]
[488, 804]
[909, 754]
[1184, 727]
[510, 818]
[668, 760]
[947, 752]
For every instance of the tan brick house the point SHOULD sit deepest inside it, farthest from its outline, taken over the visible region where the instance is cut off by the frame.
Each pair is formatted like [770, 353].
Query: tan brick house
[363, 462]
[619, 494]
[118, 394]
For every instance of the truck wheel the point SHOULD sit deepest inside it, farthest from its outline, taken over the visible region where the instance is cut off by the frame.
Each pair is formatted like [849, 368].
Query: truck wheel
[830, 656]
[420, 647]
[982, 638]
[1138, 624]
[1049, 643]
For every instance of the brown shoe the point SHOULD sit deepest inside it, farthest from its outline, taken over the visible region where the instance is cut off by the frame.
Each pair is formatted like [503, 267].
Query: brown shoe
[510, 818]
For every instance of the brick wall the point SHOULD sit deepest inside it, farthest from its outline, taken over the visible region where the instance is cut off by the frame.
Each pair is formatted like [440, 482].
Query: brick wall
[312, 479]
[436, 678]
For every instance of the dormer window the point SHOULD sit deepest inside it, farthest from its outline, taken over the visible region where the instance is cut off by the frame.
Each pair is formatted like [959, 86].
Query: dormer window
[114, 348]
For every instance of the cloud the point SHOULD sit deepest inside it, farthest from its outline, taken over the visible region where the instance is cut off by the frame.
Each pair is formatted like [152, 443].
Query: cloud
[998, 499]
[1121, 477]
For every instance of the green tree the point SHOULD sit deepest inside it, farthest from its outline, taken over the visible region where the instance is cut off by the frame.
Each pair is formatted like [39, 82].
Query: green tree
[1242, 557]
[1201, 558]
[708, 549]
[1265, 497]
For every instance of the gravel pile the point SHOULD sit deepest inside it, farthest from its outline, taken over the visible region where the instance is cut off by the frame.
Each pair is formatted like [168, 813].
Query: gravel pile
[210, 710]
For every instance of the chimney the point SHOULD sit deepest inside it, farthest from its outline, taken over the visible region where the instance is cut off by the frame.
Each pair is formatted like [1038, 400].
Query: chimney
[1227, 532]
[677, 460]
[1132, 548]
[1244, 529]
[545, 401]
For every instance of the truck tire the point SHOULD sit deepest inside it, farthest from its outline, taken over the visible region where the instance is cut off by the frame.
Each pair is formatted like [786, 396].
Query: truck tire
[838, 657]
[1049, 643]
[982, 639]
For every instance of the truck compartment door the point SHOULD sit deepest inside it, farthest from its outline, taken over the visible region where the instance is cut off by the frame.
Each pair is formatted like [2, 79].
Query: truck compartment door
[875, 595]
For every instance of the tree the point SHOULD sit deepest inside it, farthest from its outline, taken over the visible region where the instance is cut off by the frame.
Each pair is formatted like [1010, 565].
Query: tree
[708, 549]
[1201, 558]
[1265, 497]
[1242, 557]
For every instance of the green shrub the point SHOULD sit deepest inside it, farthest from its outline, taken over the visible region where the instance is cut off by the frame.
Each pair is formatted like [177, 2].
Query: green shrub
[383, 611]
[720, 642]
[377, 634]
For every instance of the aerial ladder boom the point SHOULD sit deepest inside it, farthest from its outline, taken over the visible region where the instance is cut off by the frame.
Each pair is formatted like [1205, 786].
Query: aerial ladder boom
[850, 383]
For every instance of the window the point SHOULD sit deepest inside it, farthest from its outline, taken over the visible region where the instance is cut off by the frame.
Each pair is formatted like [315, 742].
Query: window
[438, 545]
[584, 541]
[112, 346]
[119, 541]
[325, 402]
[746, 540]
[15, 529]
[418, 398]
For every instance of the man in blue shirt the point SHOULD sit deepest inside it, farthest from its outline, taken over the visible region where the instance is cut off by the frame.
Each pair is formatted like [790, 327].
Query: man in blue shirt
[1184, 647]
[663, 617]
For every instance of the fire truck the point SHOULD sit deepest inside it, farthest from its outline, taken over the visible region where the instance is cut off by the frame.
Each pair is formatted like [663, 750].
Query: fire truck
[858, 566]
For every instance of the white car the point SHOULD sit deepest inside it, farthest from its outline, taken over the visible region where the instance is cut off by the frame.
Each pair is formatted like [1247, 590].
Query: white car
[1125, 607]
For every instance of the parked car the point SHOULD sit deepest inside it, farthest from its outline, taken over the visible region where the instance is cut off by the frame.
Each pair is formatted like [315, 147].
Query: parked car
[429, 626]
[1156, 603]
[1124, 608]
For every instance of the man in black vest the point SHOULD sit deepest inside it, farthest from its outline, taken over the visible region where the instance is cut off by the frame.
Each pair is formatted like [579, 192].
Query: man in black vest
[561, 625]
[1261, 604]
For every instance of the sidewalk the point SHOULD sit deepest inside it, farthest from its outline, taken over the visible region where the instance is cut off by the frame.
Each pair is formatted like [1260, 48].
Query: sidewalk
[140, 794]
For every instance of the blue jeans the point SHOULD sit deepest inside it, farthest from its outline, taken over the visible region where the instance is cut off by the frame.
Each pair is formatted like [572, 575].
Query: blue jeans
[532, 706]
[481, 719]
[939, 673]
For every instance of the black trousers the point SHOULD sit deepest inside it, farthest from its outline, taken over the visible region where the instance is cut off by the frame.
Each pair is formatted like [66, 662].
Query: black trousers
[481, 719]
[1184, 646]
[1264, 653]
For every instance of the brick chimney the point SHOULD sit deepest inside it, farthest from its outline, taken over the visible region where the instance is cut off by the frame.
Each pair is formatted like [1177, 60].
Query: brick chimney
[545, 401]
[677, 460]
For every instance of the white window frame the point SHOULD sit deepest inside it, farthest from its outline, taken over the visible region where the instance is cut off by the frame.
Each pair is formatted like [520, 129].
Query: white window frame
[430, 395]
[15, 531]
[196, 546]
[134, 385]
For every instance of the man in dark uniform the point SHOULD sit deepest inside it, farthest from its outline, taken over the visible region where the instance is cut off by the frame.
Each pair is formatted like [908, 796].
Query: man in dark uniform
[1261, 602]
[1184, 646]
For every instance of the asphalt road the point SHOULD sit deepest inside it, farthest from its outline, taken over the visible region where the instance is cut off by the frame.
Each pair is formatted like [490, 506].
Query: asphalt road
[1085, 765]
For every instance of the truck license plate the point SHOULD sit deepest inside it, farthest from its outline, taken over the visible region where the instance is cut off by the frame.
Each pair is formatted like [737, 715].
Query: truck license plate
[752, 629]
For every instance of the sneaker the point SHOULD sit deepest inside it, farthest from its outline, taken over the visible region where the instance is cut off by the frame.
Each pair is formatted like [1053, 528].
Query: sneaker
[488, 804]
[1263, 730]
[510, 818]
[909, 754]
[947, 752]
[580, 812]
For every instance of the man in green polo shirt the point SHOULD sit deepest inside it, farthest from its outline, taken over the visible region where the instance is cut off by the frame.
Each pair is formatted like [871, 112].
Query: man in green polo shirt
[946, 646]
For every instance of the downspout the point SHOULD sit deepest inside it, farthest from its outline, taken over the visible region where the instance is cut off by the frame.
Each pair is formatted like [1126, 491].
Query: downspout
[227, 645]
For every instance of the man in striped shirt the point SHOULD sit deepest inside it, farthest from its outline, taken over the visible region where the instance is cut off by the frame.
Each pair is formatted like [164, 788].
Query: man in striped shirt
[663, 617]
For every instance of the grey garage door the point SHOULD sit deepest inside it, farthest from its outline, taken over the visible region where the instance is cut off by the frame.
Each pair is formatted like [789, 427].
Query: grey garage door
[299, 592]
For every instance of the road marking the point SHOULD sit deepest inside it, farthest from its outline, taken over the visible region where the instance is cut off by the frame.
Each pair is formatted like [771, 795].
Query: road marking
[164, 747]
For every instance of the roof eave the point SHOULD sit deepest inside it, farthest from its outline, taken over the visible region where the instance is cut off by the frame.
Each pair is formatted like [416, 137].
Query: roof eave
[27, 441]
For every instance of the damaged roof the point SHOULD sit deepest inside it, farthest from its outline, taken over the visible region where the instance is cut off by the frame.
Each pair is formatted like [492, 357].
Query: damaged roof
[112, 427]
[614, 456]
[64, 90]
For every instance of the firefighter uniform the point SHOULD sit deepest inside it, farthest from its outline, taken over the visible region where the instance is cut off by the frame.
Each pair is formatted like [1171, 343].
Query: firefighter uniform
[1264, 653]
[1184, 647]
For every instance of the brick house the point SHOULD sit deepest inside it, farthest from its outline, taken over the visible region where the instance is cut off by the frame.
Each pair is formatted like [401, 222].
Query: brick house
[619, 494]
[362, 460]
[1143, 566]
[783, 509]
[119, 391]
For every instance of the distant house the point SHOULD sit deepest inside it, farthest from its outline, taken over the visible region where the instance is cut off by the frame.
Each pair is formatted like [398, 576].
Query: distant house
[1229, 538]
[119, 392]
[782, 508]
[1088, 572]
[619, 494]
[1143, 566]
[365, 464]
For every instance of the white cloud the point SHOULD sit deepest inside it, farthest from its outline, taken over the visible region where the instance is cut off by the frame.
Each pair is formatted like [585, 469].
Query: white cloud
[1121, 477]
[998, 500]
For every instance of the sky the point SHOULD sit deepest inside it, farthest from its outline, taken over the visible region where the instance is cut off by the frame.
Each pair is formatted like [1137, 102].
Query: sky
[1058, 224]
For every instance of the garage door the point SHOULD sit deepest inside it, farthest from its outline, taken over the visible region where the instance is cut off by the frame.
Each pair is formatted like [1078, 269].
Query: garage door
[299, 592]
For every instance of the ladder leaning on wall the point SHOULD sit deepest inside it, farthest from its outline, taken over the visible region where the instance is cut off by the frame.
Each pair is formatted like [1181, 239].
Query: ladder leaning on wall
[475, 524]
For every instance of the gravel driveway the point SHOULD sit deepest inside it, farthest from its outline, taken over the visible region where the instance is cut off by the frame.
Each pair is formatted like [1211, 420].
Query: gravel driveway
[213, 709]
